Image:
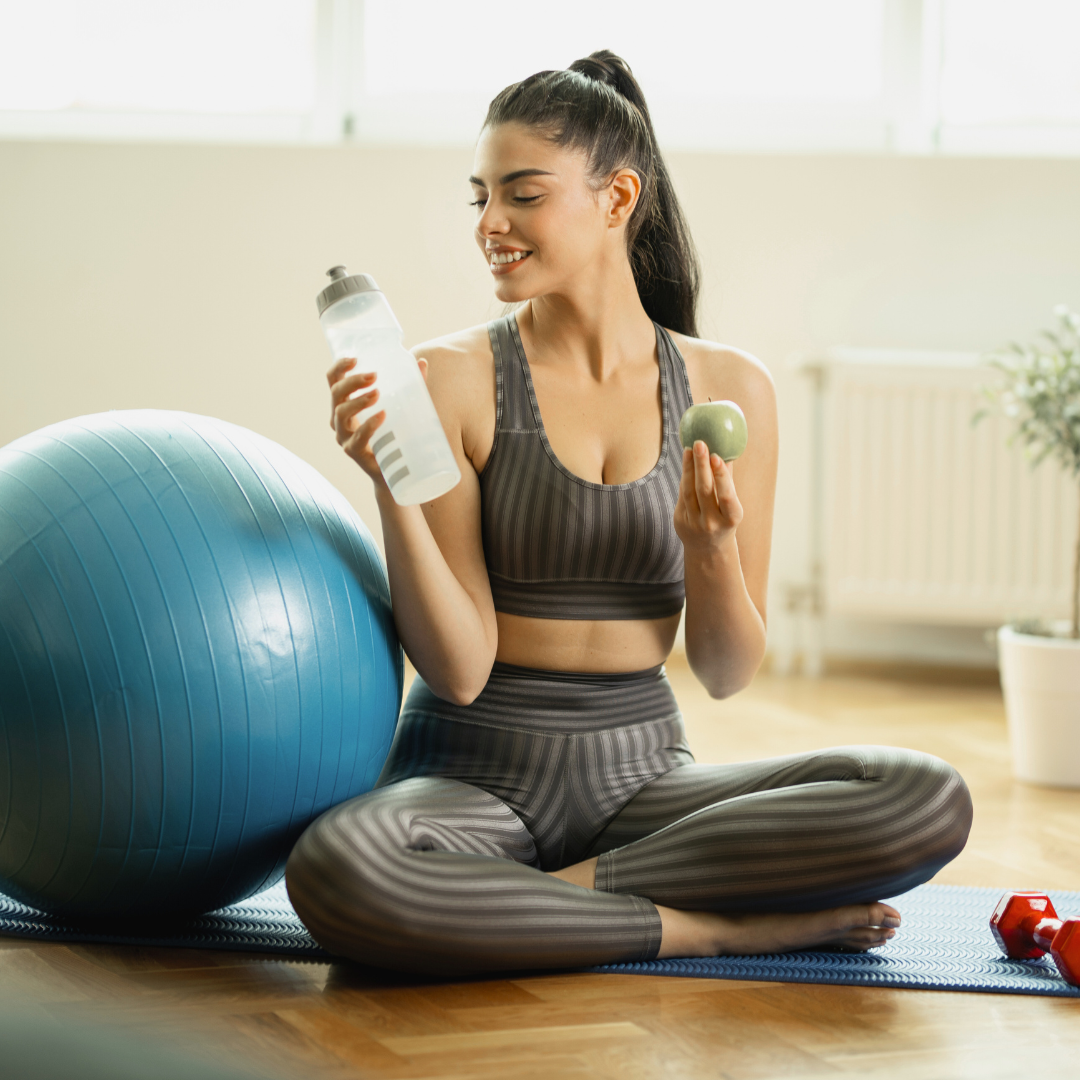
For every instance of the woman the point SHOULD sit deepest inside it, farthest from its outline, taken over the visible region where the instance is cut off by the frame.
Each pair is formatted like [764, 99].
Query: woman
[540, 807]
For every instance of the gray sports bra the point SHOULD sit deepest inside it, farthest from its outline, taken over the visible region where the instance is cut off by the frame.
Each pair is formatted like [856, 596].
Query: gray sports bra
[559, 547]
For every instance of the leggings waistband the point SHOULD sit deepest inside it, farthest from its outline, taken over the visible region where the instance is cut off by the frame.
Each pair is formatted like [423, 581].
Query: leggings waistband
[555, 702]
[588, 678]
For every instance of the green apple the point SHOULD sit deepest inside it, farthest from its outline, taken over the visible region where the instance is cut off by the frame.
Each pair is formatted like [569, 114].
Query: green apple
[719, 424]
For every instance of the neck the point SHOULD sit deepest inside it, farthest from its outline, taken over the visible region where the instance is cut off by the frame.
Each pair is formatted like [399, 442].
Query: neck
[595, 323]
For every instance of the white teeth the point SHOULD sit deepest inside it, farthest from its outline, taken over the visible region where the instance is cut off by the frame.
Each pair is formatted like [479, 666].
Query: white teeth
[502, 258]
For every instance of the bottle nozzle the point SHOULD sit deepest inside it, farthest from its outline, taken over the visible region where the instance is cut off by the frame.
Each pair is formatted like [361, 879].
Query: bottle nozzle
[343, 284]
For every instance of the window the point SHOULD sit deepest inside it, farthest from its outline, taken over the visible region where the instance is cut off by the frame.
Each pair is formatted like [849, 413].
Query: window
[150, 66]
[921, 76]
[1009, 74]
[713, 72]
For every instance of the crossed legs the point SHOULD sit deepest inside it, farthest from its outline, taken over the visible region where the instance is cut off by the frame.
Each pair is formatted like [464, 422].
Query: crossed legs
[796, 851]
[432, 874]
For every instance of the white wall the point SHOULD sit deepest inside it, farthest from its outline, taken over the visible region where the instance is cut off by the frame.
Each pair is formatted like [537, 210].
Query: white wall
[184, 277]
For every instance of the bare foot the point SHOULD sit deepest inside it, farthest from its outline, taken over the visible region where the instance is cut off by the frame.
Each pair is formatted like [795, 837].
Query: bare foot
[706, 933]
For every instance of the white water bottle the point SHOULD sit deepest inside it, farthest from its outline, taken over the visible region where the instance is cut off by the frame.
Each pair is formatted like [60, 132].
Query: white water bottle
[410, 446]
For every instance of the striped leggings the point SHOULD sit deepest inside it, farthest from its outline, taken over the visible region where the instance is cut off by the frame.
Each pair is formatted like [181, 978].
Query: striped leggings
[441, 867]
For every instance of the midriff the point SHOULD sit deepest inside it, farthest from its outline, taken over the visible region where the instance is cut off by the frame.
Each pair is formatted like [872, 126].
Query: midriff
[585, 644]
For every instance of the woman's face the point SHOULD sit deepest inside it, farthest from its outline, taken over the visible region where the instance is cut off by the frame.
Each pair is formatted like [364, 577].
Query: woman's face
[538, 222]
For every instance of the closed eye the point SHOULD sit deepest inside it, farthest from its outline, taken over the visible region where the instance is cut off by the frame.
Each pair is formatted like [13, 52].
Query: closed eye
[521, 199]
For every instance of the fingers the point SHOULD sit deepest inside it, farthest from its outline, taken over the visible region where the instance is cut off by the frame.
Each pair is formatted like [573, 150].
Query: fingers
[346, 412]
[423, 365]
[344, 388]
[348, 386]
[687, 491]
[347, 401]
[706, 481]
[703, 476]
[359, 443]
[724, 485]
[339, 369]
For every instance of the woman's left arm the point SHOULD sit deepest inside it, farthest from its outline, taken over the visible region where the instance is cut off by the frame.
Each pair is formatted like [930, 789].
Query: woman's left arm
[727, 533]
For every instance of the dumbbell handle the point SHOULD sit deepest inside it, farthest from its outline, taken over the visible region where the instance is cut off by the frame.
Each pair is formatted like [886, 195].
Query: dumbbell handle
[1046, 933]
[1043, 931]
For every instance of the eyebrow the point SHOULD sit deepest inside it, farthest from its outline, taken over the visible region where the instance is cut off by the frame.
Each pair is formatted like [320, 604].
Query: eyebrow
[509, 178]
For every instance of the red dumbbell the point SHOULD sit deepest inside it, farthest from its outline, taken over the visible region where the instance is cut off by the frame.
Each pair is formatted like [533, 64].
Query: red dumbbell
[1026, 926]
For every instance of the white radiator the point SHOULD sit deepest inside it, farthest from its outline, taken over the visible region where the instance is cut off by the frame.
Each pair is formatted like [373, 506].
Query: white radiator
[917, 515]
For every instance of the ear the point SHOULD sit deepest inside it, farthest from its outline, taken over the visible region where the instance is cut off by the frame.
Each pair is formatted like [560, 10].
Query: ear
[623, 194]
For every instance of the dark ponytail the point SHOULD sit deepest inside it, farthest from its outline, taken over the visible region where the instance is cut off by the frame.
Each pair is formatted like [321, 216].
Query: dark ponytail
[597, 106]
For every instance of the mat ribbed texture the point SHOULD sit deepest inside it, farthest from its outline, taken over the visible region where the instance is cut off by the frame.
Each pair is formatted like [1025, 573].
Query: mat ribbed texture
[263, 923]
[944, 944]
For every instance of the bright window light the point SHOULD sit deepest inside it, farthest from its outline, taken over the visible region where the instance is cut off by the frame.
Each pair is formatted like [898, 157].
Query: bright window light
[811, 76]
[723, 50]
[1010, 62]
[186, 56]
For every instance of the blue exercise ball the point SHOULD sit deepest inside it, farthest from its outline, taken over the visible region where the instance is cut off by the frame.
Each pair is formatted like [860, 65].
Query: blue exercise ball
[197, 658]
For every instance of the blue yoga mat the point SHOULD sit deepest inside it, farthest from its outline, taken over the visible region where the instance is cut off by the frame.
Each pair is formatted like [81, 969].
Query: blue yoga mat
[944, 944]
[264, 923]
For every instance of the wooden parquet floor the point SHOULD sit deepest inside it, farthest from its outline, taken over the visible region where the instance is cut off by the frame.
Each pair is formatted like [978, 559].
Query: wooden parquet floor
[338, 1020]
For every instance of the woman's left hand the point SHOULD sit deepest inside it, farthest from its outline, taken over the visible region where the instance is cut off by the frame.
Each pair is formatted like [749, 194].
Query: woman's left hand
[708, 510]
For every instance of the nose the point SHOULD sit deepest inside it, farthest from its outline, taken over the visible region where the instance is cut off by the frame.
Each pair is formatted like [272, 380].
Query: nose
[492, 221]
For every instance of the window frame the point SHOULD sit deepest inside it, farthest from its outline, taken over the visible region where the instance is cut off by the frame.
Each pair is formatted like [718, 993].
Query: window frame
[905, 120]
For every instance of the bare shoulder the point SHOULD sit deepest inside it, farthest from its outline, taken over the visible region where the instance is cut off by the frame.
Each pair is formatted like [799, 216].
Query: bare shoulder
[461, 378]
[466, 351]
[724, 372]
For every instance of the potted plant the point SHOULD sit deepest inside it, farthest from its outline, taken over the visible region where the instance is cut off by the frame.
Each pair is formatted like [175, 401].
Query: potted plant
[1040, 661]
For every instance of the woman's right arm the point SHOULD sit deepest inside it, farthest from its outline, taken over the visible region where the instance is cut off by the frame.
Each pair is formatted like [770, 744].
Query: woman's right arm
[439, 585]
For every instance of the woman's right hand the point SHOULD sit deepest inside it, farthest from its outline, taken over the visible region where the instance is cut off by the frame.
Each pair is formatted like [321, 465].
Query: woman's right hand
[352, 436]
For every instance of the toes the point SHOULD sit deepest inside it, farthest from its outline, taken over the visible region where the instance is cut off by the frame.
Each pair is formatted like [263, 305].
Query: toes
[867, 937]
[890, 916]
[882, 915]
[875, 933]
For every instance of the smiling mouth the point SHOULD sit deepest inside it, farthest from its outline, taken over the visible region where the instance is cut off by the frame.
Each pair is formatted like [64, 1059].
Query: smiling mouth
[506, 260]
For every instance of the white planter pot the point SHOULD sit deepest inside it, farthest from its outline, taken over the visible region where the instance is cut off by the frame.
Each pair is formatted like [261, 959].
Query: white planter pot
[1040, 677]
